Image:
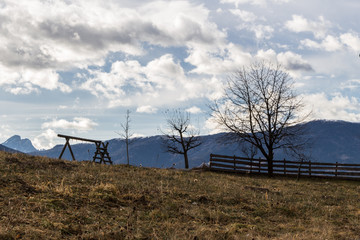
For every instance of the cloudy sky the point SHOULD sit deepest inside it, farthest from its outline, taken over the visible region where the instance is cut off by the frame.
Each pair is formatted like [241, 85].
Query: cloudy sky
[76, 66]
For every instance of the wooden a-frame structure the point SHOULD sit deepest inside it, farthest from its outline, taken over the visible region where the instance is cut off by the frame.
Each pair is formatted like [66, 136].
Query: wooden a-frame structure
[101, 154]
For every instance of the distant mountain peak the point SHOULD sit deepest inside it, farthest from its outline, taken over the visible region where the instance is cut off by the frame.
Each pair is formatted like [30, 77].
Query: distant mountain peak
[23, 145]
[13, 138]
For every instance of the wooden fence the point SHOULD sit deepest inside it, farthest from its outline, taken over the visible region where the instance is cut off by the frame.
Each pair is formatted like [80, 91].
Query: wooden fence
[284, 167]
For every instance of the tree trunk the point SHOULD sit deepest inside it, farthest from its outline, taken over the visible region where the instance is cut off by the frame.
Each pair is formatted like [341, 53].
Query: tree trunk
[270, 167]
[186, 160]
[184, 150]
[270, 159]
[127, 152]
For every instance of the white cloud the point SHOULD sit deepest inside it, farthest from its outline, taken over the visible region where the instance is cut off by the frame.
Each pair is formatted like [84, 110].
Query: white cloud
[160, 82]
[262, 31]
[212, 126]
[253, 2]
[25, 81]
[164, 72]
[293, 62]
[194, 110]
[5, 130]
[352, 40]
[8, 77]
[25, 88]
[269, 55]
[249, 23]
[300, 24]
[350, 84]
[78, 123]
[330, 44]
[138, 135]
[244, 15]
[220, 60]
[45, 140]
[289, 60]
[186, 23]
[63, 107]
[335, 107]
[146, 109]
[37, 40]
[238, 2]
[194, 129]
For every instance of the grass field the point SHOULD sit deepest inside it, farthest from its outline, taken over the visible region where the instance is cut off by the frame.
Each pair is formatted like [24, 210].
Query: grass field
[43, 198]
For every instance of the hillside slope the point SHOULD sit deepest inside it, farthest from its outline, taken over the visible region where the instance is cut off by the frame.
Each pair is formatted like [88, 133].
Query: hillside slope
[43, 198]
[6, 149]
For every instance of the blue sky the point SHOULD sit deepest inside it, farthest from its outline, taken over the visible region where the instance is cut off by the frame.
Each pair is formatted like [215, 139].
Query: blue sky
[75, 67]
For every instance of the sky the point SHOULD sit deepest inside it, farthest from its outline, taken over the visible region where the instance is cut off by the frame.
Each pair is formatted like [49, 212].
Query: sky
[76, 66]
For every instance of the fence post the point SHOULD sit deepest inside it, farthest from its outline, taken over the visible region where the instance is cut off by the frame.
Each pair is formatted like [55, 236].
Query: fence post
[309, 168]
[251, 164]
[211, 156]
[259, 164]
[336, 169]
[234, 163]
[284, 167]
[299, 169]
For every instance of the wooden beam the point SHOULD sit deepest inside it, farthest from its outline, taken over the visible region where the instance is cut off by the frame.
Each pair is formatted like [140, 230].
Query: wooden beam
[80, 139]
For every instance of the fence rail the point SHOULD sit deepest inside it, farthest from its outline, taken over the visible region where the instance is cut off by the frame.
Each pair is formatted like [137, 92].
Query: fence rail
[284, 167]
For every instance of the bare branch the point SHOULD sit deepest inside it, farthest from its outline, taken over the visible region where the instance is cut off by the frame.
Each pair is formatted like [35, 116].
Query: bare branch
[259, 108]
[180, 137]
[126, 134]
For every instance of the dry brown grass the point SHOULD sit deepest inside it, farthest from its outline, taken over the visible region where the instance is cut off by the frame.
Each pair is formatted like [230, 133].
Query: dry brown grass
[43, 198]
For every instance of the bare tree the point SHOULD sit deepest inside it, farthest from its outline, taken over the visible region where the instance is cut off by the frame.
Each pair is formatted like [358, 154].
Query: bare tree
[126, 134]
[260, 108]
[180, 136]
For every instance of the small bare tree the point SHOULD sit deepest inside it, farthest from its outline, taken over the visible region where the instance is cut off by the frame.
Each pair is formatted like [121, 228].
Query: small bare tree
[180, 136]
[126, 134]
[260, 108]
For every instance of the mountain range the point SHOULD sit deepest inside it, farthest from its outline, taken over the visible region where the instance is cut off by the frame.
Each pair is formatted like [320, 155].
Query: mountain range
[331, 141]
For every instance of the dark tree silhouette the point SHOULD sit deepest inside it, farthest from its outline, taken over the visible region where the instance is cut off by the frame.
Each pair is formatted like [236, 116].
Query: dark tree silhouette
[180, 136]
[260, 108]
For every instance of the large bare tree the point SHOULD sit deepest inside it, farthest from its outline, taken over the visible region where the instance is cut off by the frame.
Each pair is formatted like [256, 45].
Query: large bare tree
[260, 109]
[180, 136]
